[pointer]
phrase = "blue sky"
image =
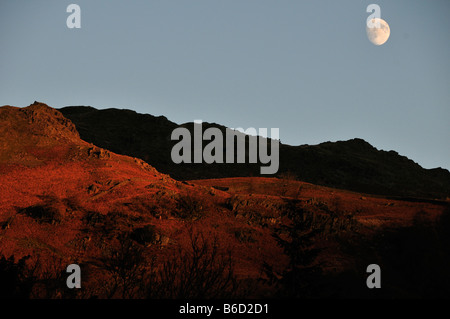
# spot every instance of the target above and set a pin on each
(305, 67)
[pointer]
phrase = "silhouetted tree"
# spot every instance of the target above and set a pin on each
(300, 277)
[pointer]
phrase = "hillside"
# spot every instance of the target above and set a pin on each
(64, 200)
(138, 233)
(353, 165)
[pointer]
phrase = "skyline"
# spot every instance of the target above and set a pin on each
(306, 68)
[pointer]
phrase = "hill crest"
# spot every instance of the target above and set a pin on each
(352, 165)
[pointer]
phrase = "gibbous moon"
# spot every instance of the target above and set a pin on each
(378, 36)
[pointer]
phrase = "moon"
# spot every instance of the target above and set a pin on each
(378, 36)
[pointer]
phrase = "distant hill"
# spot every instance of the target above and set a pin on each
(353, 165)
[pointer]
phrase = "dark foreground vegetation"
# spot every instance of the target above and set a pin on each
(414, 260)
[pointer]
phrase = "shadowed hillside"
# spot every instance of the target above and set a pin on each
(353, 165)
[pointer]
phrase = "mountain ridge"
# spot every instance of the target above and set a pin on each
(353, 165)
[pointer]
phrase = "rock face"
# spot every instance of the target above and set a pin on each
(99, 153)
(35, 134)
(51, 121)
(37, 119)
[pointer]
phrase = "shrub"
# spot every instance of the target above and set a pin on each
(198, 273)
(7, 223)
(50, 210)
(16, 278)
(145, 235)
(189, 208)
(93, 218)
(125, 262)
(43, 213)
(244, 235)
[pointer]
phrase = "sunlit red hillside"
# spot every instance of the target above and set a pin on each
(63, 201)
